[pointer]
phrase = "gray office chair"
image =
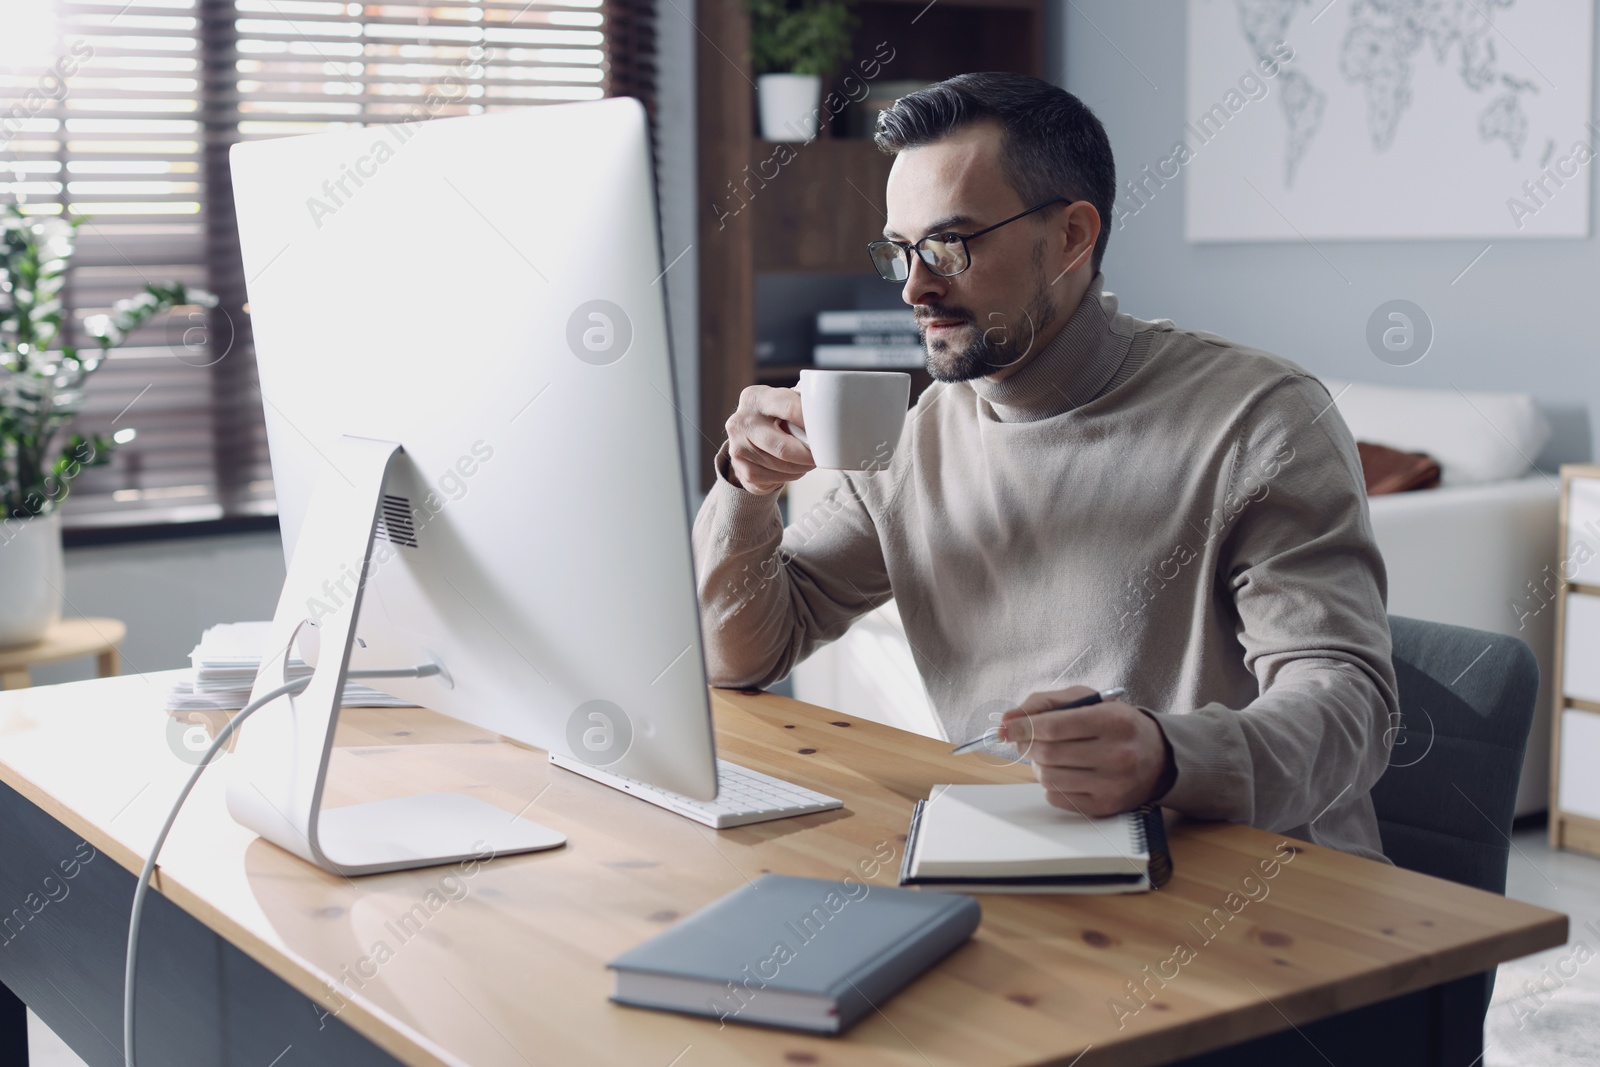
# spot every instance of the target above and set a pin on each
(1446, 802)
(1466, 700)
(1444, 808)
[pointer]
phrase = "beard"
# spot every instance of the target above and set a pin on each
(977, 352)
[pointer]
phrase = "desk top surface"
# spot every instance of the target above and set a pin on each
(505, 964)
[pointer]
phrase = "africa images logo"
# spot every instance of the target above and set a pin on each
(599, 332)
(599, 733)
(1399, 332)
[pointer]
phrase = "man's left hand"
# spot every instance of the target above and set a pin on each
(1096, 760)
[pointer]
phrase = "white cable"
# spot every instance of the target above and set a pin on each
(172, 817)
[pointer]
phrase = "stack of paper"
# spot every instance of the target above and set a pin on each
(868, 339)
(225, 663)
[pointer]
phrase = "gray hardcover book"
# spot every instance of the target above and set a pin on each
(801, 953)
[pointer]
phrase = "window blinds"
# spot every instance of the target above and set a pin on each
(123, 114)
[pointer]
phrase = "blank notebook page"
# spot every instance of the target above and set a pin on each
(1001, 831)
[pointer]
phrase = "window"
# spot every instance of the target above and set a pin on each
(123, 115)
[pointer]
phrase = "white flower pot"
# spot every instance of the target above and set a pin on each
(791, 105)
(30, 578)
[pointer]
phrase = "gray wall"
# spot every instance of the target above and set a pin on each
(168, 592)
(1518, 321)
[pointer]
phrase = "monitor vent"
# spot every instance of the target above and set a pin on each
(394, 522)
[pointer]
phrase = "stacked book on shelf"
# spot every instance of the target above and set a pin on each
(225, 663)
(868, 340)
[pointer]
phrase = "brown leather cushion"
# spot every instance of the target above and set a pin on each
(1389, 470)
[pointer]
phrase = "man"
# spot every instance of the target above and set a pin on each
(1081, 500)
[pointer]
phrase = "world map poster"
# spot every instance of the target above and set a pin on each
(1385, 119)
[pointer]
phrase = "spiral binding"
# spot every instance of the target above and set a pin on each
(1150, 834)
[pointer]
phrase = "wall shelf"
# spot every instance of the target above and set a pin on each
(788, 374)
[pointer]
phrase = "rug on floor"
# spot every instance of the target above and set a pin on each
(1546, 1010)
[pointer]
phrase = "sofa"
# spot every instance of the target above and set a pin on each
(1478, 551)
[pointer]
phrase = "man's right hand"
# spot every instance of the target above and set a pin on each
(762, 455)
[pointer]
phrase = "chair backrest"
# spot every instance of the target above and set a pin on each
(1446, 802)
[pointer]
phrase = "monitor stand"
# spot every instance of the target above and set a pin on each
(280, 764)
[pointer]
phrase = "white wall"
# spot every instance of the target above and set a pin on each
(1517, 321)
(168, 592)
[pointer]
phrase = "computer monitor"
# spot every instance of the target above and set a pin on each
(462, 345)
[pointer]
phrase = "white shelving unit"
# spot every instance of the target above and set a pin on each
(1575, 753)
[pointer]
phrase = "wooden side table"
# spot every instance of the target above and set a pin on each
(67, 639)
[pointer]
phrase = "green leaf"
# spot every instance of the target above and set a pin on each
(42, 388)
(800, 36)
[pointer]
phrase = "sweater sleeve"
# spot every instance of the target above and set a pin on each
(770, 596)
(1308, 586)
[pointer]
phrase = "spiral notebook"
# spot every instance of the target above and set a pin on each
(1010, 839)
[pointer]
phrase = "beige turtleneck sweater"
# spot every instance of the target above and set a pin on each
(1138, 505)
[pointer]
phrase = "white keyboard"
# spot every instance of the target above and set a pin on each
(743, 796)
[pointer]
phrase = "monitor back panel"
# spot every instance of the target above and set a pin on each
(485, 291)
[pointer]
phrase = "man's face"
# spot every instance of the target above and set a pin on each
(990, 316)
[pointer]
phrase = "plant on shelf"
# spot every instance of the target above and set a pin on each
(794, 44)
(41, 390)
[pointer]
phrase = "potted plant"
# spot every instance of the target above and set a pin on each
(794, 44)
(41, 390)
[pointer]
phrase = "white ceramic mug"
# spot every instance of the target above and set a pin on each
(853, 417)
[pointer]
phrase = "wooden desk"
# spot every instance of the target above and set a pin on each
(507, 968)
(67, 639)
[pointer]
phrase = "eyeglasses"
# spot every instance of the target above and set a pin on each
(945, 254)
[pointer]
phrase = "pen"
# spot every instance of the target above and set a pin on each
(992, 734)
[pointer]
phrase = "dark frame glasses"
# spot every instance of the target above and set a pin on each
(944, 253)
